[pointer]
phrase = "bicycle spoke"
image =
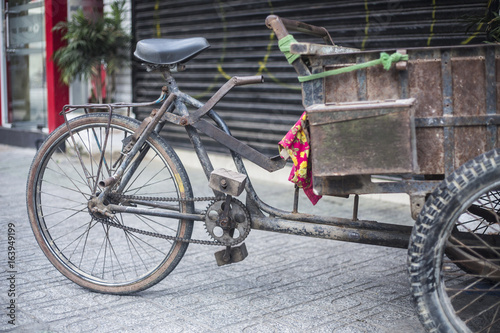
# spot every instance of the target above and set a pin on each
(77, 238)
(63, 209)
(132, 256)
(148, 185)
(468, 288)
(85, 244)
(113, 253)
(48, 194)
(100, 250)
(144, 218)
(493, 321)
(138, 175)
(101, 151)
(73, 182)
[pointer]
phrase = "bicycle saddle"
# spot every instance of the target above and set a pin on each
(164, 51)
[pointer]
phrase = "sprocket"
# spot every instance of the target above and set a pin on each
(231, 229)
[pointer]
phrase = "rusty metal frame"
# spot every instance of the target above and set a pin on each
(290, 222)
(266, 217)
(352, 230)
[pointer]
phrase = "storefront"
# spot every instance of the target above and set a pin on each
(31, 95)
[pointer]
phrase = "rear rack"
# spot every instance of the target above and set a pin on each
(111, 106)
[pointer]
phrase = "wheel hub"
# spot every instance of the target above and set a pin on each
(98, 209)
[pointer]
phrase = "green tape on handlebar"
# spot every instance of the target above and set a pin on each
(284, 45)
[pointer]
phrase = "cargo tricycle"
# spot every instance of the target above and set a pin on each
(112, 208)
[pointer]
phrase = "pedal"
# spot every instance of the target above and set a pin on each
(227, 181)
(236, 254)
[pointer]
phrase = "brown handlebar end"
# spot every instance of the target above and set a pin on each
(269, 19)
(275, 23)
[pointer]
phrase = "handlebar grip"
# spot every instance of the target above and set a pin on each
(242, 80)
(275, 23)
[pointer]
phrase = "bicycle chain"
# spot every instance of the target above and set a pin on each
(165, 199)
(158, 235)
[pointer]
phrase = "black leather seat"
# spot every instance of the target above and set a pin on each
(164, 51)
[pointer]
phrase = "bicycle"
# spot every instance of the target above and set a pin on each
(112, 208)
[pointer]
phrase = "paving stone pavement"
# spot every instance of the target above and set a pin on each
(287, 284)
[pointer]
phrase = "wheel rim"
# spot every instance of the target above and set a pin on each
(89, 250)
(470, 271)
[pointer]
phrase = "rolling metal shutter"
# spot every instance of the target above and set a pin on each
(242, 45)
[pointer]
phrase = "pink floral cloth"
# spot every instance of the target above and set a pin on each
(295, 145)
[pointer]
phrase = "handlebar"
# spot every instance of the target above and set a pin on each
(242, 80)
(280, 26)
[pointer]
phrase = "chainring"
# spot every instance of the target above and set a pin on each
(232, 229)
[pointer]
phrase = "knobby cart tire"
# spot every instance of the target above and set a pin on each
(95, 255)
(454, 251)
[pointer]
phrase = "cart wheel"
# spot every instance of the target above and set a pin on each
(454, 252)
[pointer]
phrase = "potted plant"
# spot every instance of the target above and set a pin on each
(96, 48)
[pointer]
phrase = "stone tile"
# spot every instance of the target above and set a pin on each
(287, 283)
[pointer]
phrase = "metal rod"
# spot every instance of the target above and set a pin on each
(296, 200)
(131, 170)
(458, 121)
(233, 144)
(491, 95)
(102, 149)
(398, 238)
(356, 207)
(84, 168)
(155, 212)
(199, 149)
(448, 108)
(72, 107)
(252, 196)
(230, 84)
(162, 205)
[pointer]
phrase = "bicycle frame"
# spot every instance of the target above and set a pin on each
(290, 222)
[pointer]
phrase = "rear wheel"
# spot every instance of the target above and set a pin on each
(454, 253)
(62, 182)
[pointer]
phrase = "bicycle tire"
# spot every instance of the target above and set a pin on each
(453, 256)
(94, 255)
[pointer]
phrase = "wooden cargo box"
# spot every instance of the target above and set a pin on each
(362, 138)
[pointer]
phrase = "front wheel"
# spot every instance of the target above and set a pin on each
(61, 183)
(454, 252)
